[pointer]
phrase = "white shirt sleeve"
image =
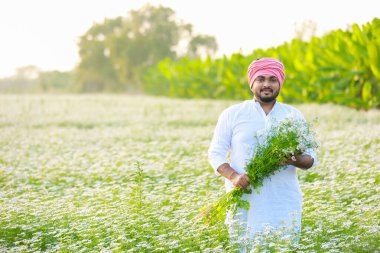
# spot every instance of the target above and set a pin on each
(221, 141)
(310, 151)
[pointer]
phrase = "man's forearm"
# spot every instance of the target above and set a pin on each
(237, 180)
(226, 171)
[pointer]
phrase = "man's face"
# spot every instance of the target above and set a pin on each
(266, 88)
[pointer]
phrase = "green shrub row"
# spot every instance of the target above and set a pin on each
(341, 67)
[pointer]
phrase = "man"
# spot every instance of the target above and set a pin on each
(279, 202)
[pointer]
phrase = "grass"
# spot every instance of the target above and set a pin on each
(115, 173)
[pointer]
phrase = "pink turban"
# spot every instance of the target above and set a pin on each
(266, 66)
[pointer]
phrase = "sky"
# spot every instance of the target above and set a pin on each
(45, 33)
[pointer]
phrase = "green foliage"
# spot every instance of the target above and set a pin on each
(341, 67)
(96, 71)
(289, 137)
(24, 81)
(138, 188)
(204, 43)
(56, 81)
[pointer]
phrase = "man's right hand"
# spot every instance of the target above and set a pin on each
(240, 180)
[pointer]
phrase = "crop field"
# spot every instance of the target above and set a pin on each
(117, 173)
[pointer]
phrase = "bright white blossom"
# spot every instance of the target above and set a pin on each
(69, 181)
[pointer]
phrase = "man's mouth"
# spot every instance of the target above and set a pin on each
(266, 90)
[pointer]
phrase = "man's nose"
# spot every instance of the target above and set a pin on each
(266, 83)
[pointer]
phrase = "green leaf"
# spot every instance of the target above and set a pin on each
(366, 92)
(373, 54)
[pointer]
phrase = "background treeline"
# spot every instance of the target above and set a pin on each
(341, 67)
(151, 51)
(115, 54)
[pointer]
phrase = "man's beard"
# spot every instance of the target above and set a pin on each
(269, 99)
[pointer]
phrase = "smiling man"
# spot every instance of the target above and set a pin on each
(278, 205)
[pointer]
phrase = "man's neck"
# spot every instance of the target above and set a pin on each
(267, 106)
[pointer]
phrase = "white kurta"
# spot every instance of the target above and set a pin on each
(279, 203)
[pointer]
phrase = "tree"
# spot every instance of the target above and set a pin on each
(148, 35)
(55, 81)
(114, 54)
(96, 70)
(27, 72)
(24, 80)
(202, 45)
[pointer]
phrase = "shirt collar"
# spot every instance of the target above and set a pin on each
(258, 106)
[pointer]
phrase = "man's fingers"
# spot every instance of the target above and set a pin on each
(244, 182)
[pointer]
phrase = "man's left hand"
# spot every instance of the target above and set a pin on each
(302, 161)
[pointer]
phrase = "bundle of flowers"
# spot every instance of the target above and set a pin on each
(289, 137)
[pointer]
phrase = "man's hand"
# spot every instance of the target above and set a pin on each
(240, 180)
(301, 161)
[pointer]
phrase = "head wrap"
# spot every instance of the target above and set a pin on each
(266, 66)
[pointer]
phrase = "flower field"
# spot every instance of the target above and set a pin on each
(117, 173)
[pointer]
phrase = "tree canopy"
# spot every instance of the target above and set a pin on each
(115, 53)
